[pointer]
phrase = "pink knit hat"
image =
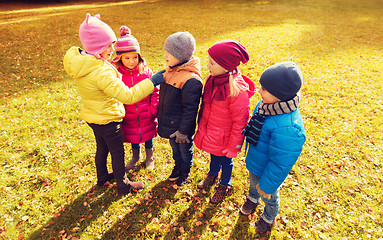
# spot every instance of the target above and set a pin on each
(126, 43)
(95, 35)
(229, 54)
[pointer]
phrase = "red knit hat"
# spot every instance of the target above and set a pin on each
(126, 43)
(229, 54)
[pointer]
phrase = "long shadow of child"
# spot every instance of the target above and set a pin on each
(142, 213)
(74, 218)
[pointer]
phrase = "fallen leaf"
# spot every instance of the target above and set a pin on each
(327, 227)
(21, 236)
(303, 225)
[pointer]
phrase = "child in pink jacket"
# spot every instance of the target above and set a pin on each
(140, 120)
(224, 113)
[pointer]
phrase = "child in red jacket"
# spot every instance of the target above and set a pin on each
(140, 121)
(224, 113)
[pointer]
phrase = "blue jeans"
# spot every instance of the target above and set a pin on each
(148, 144)
(109, 139)
(182, 153)
(218, 162)
(271, 209)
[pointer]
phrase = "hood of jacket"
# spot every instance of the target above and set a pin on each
(247, 85)
(194, 66)
(78, 64)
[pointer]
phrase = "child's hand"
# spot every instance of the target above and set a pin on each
(262, 193)
(180, 138)
(158, 78)
(229, 153)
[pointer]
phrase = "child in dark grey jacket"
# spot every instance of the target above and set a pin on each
(179, 100)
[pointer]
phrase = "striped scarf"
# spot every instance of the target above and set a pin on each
(253, 128)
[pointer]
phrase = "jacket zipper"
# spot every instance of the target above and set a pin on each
(138, 117)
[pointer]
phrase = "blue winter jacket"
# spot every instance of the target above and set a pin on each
(279, 146)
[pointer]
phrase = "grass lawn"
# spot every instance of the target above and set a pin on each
(335, 190)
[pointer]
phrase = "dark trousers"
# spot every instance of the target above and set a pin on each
(226, 164)
(109, 139)
(182, 153)
(148, 144)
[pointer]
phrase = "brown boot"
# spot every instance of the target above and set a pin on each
(126, 186)
(149, 161)
(137, 185)
(136, 156)
(208, 181)
(220, 194)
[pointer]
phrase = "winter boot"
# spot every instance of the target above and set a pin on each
(175, 173)
(220, 194)
(208, 181)
(183, 177)
(136, 156)
(126, 186)
(248, 207)
(109, 177)
(149, 161)
(262, 226)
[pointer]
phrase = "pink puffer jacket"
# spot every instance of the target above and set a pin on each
(140, 121)
(221, 122)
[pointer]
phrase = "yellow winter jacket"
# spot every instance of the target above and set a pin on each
(101, 88)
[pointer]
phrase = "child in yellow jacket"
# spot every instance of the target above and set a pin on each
(103, 94)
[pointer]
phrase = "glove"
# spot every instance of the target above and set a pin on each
(262, 193)
(158, 78)
(229, 153)
(180, 138)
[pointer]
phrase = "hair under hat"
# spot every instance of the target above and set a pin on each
(229, 54)
(95, 35)
(126, 43)
(181, 45)
(283, 80)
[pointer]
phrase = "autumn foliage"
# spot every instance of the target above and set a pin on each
(47, 187)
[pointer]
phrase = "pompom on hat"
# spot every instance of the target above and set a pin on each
(95, 35)
(126, 43)
(229, 54)
(283, 80)
(181, 45)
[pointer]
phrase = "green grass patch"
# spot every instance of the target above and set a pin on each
(47, 187)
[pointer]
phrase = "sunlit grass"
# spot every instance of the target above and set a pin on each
(36, 14)
(46, 163)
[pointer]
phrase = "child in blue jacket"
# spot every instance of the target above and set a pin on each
(275, 136)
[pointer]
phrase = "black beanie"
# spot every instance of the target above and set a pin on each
(283, 80)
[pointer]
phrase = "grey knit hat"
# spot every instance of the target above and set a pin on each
(181, 45)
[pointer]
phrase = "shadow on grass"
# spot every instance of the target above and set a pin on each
(245, 227)
(75, 217)
(241, 227)
(194, 220)
(142, 213)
